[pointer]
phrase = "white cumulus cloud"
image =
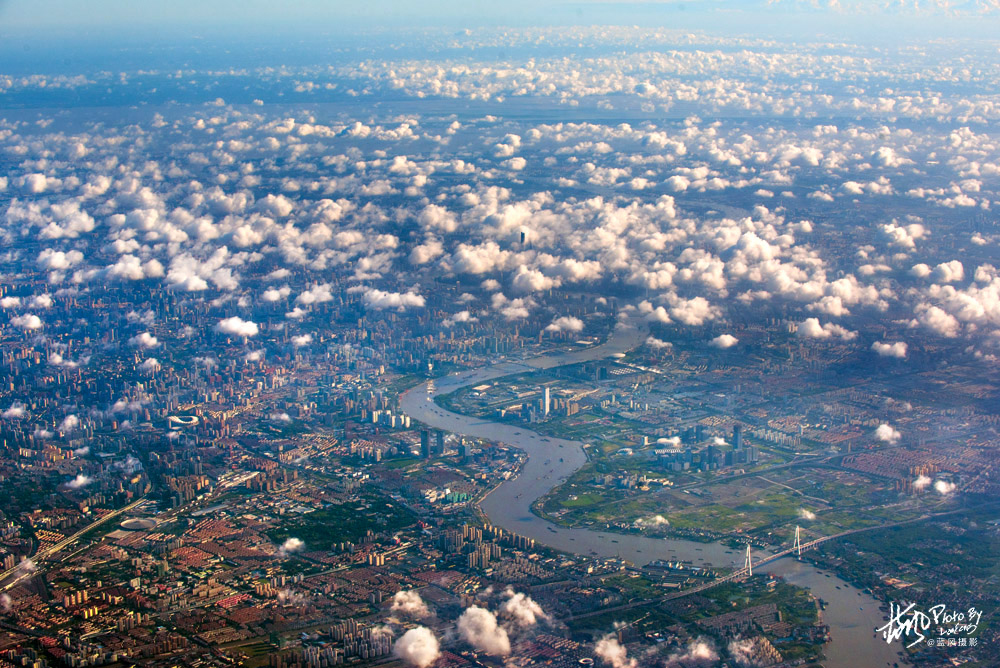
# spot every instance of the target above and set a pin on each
(237, 326)
(291, 545)
(381, 299)
(610, 651)
(28, 321)
(887, 434)
(478, 627)
(897, 349)
(810, 328)
(724, 341)
(418, 647)
(409, 602)
(144, 340)
(79, 481)
(565, 324)
(943, 487)
(521, 609)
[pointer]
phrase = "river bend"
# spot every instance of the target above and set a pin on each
(851, 614)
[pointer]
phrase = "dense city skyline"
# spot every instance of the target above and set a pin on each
(472, 343)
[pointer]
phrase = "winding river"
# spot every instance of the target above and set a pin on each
(851, 614)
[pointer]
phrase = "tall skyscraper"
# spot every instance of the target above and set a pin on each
(546, 402)
(425, 444)
(738, 437)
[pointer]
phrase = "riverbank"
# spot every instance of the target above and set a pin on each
(851, 614)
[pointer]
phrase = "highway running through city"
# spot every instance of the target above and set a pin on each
(22, 571)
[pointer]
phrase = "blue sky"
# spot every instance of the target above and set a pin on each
(138, 18)
(108, 13)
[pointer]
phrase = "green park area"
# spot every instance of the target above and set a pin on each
(347, 522)
(822, 501)
(932, 560)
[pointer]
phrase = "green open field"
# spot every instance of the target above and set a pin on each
(347, 522)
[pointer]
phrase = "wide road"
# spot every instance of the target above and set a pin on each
(851, 614)
(21, 572)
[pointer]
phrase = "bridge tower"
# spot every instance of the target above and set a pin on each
(798, 541)
(748, 565)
